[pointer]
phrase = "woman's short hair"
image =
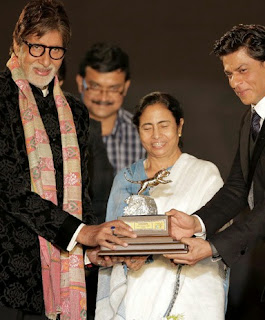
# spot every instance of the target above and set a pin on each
(152, 98)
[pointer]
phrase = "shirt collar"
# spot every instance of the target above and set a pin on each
(45, 92)
(259, 108)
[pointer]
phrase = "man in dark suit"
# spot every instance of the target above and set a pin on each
(45, 208)
(242, 52)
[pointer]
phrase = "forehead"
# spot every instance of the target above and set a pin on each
(236, 59)
(50, 38)
(105, 78)
(156, 112)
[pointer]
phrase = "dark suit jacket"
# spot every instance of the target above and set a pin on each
(100, 172)
(242, 245)
(242, 236)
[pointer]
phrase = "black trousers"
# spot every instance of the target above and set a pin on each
(13, 314)
(91, 289)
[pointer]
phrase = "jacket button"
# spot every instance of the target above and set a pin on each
(242, 252)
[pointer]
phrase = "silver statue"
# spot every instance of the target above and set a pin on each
(144, 205)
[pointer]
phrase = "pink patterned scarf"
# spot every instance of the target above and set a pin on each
(62, 272)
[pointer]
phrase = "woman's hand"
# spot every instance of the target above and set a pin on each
(102, 261)
(135, 262)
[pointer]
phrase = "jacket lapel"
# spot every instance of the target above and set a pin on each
(244, 144)
(257, 152)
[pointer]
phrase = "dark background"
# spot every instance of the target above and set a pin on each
(169, 44)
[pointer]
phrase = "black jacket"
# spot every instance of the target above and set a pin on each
(101, 172)
(242, 245)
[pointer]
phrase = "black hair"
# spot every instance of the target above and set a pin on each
(251, 37)
(104, 57)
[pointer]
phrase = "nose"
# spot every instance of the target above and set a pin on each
(45, 59)
(103, 94)
(235, 80)
(156, 132)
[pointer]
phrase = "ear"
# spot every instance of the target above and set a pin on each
(180, 126)
(126, 87)
(79, 82)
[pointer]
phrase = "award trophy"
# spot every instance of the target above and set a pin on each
(152, 229)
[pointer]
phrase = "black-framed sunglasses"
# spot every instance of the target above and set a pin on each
(37, 50)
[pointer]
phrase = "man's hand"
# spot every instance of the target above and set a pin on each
(198, 249)
(103, 235)
(182, 225)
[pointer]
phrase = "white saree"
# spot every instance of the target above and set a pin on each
(147, 294)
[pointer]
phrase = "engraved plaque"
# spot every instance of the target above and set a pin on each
(148, 225)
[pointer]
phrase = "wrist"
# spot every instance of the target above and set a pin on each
(215, 254)
(80, 235)
(197, 225)
(84, 236)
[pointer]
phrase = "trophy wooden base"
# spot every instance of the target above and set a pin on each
(147, 245)
(152, 237)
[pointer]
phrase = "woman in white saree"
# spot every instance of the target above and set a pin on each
(154, 289)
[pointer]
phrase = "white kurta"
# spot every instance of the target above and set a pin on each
(147, 293)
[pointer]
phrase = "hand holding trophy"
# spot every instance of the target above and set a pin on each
(152, 229)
